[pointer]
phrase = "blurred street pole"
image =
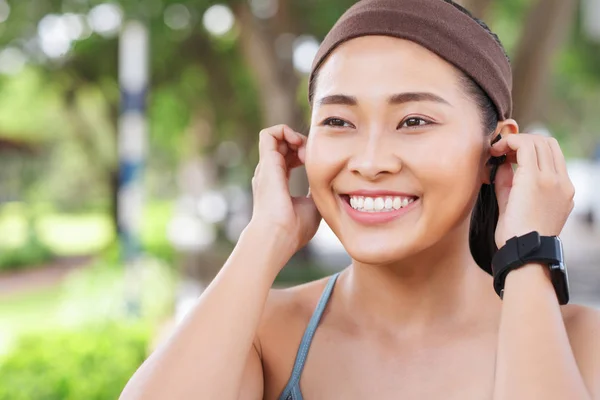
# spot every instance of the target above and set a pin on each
(132, 131)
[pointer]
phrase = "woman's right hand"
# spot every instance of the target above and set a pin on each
(281, 149)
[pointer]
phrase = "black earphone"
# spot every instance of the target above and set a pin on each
(495, 162)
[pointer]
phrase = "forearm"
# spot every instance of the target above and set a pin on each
(206, 356)
(534, 359)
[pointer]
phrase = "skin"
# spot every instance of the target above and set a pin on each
(413, 316)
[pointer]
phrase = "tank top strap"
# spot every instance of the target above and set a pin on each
(292, 389)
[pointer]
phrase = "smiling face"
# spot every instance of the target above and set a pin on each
(395, 150)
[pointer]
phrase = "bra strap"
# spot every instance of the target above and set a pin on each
(309, 333)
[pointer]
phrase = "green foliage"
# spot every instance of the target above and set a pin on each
(21, 246)
(90, 363)
(32, 254)
(154, 231)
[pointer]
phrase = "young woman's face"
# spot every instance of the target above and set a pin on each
(392, 125)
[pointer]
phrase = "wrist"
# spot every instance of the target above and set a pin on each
(531, 275)
(271, 240)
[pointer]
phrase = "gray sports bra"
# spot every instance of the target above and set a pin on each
(292, 389)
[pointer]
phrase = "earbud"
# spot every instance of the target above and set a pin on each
(495, 162)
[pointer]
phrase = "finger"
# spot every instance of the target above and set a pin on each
(521, 145)
(271, 137)
(544, 155)
(560, 164)
(503, 185)
(292, 160)
(283, 148)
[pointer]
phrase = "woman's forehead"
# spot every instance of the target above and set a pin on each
(381, 63)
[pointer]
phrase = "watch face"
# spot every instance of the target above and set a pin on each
(559, 276)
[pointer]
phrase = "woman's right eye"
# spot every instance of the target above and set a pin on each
(336, 122)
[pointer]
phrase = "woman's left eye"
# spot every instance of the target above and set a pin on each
(414, 122)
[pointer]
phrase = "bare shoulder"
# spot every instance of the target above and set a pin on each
(581, 320)
(583, 328)
(287, 308)
(285, 317)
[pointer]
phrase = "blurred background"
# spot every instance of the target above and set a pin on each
(128, 138)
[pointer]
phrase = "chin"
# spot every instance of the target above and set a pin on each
(378, 252)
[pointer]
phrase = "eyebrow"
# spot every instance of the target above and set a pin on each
(400, 98)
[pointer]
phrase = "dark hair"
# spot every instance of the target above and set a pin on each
(484, 218)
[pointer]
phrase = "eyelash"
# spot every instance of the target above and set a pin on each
(328, 121)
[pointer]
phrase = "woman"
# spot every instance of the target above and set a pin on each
(407, 98)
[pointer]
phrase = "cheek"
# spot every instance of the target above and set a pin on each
(324, 161)
(449, 175)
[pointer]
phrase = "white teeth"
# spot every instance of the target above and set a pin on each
(379, 204)
(388, 203)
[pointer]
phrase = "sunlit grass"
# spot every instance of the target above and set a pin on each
(92, 294)
(78, 234)
(13, 230)
(75, 234)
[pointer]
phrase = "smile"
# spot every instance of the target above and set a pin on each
(376, 208)
(379, 204)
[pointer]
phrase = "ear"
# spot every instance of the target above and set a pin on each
(504, 128)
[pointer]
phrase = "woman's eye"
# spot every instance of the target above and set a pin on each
(414, 122)
(336, 122)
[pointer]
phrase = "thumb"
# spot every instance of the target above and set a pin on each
(503, 184)
(306, 208)
(308, 214)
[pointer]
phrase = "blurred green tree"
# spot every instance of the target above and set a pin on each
(229, 87)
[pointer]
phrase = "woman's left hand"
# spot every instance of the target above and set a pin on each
(538, 196)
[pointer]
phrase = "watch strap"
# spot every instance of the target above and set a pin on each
(521, 250)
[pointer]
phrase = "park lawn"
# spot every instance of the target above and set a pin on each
(92, 294)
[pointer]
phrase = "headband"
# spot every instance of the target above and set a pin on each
(439, 27)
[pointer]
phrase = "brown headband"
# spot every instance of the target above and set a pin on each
(437, 26)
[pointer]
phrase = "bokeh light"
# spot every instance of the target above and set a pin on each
(218, 20)
(305, 50)
(12, 61)
(4, 11)
(264, 9)
(212, 207)
(106, 19)
(54, 36)
(177, 17)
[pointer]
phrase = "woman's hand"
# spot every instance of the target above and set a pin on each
(538, 196)
(281, 149)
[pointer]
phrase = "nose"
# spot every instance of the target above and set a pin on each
(375, 158)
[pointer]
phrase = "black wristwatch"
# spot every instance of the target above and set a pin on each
(532, 247)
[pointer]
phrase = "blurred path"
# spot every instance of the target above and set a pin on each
(40, 277)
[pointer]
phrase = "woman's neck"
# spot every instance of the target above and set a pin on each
(439, 288)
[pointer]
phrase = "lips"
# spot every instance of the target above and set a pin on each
(375, 207)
